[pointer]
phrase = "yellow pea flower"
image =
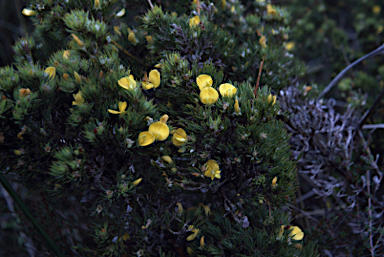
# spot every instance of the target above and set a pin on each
(17, 152)
(132, 37)
(128, 83)
(237, 107)
(121, 13)
(153, 81)
(137, 181)
(126, 236)
(281, 232)
(274, 180)
(204, 81)
(376, 9)
(146, 138)
(202, 241)
(122, 107)
(66, 54)
(79, 100)
(149, 39)
(160, 129)
(51, 71)
(97, 4)
(194, 21)
(77, 77)
(209, 95)
(28, 12)
(296, 233)
(290, 45)
(212, 169)
(227, 89)
(117, 30)
(179, 138)
(263, 41)
(24, 92)
(270, 98)
(193, 236)
(179, 207)
(207, 210)
(270, 10)
(78, 41)
(167, 158)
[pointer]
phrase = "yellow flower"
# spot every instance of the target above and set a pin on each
(281, 232)
(121, 13)
(137, 181)
(125, 236)
(122, 107)
(179, 138)
(97, 4)
(153, 80)
(159, 66)
(274, 180)
(180, 207)
(263, 42)
(160, 129)
(227, 90)
(296, 233)
(51, 71)
(132, 37)
(149, 39)
(77, 77)
(146, 138)
(128, 83)
(209, 95)
(24, 92)
(79, 100)
(376, 9)
(78, 41)
(270, 10)
(207, 210)
(66, 54)
(290, 45)
(28, 12)
(194, 21)
(204, 81)
(17, 152)
(212, 169)
(202, 241)
(270, 98)
(237, 107)
(195, 232)
(167, 158)
(117, 30)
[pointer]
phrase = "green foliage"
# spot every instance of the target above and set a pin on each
(73, 130)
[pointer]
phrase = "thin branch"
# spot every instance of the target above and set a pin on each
(372, 250)
(373, 126)
(125, 51)
(258, 76)
(378, 50)
(198, 7)
(150, 4)
(370, 111)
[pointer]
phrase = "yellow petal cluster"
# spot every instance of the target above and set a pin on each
(194, 21)
(296, 233)
(137, 181)
(270, 10)
(180, 208)
(149, 39)
(121, 13)
(274, 180)
(167, 158)
(204, 81)
(263, 42)
(24, 92)
(28, 12)
(237, 107)
(97, 4)
(122, 107)
(66, 54)
(158, 131)
(77, 77)
(132, 37)
(227, 89)
(270, 98)
(376, 9)
(79, 100)
(51, 71)
(153, 80)
(212, 169)
(209, 95)
(128, 83)
(179, 137)
(193, 236)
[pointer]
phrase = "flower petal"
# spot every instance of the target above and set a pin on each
(160, 130)
(154, 78)
(204, 81)
(209, 95)
(146, 138)
(227, 89)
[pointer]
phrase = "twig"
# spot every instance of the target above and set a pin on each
(150, 4)
(372, 250)
(258, 76)
(373, 107)
(198, 7)
(378, 50)
(304, 213)
(125, 51)
(373, 126)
